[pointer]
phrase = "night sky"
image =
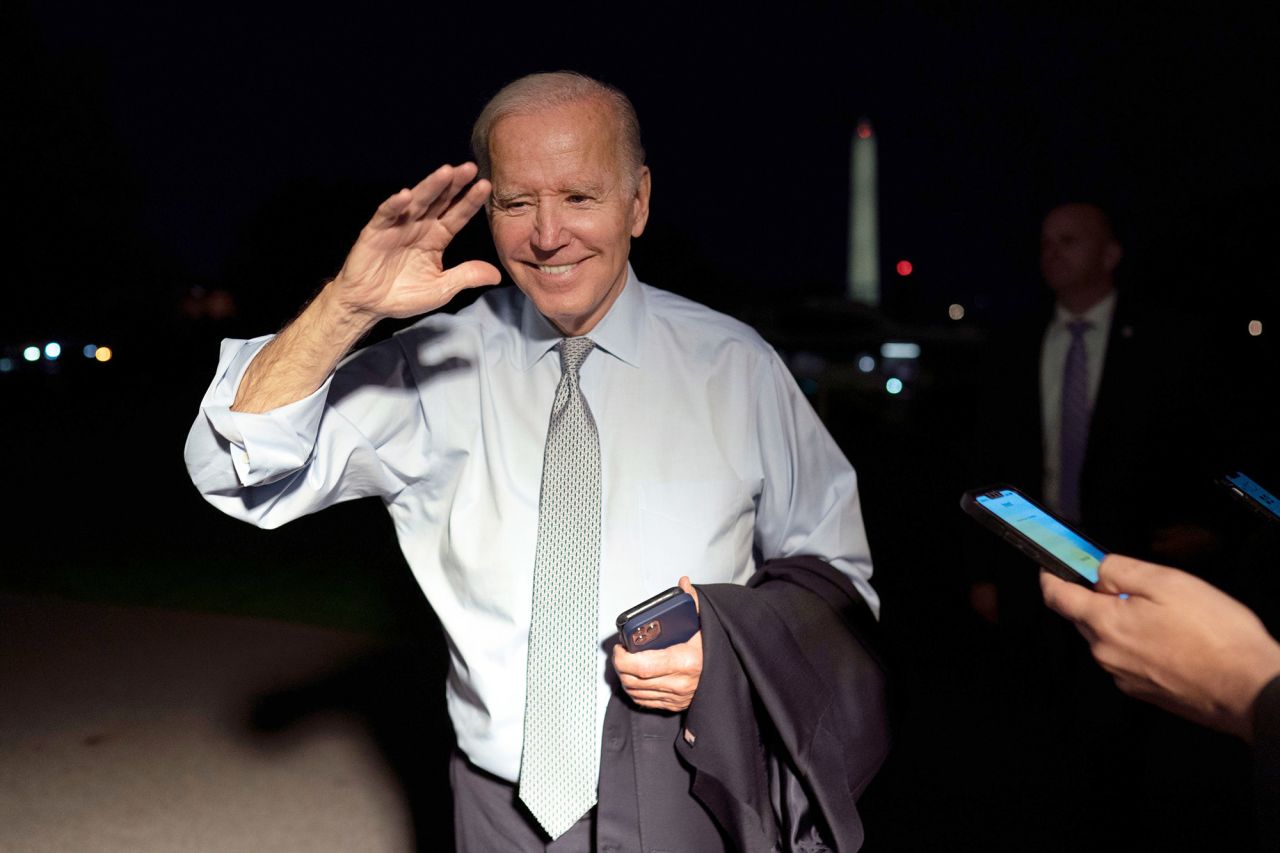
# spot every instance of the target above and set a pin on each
(222, 146)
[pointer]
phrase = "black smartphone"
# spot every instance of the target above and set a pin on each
(1249, 492)
(1036, 532)
(668, 618)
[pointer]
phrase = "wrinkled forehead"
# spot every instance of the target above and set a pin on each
(577, 139)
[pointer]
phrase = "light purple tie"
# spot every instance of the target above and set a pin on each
(1075, 421)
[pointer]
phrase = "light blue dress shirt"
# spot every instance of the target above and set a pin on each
(712, 461)
(1053, 359)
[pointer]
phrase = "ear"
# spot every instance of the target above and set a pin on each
(640, 202)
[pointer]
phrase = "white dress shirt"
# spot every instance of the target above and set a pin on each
(712, 461)
(1053, 360)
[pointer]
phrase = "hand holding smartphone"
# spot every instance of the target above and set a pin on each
(1036, 532)
(670, 617)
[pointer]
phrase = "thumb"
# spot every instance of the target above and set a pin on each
(686, 586)
(1068, 599)
(472, 274)
(1121, 574)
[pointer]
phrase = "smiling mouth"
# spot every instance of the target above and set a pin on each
(557, 269)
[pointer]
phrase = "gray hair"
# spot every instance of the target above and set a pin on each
(537, 92)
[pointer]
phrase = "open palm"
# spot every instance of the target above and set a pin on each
(396, 267)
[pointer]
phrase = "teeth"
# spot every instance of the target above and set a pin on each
(557, 270)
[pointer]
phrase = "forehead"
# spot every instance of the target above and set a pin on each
(1075, 219)
(564, 145)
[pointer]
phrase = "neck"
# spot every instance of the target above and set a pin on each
(1081, 301)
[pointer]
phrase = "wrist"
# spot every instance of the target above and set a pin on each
(347, 321)
(1266, 678)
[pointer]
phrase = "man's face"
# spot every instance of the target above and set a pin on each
(564, 210)
(1077, 252)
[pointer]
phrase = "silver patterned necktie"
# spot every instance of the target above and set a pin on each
(559, 766)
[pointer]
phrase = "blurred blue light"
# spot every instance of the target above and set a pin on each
(894, 385)
(90, 350)
(866, 364)
(31, 353)
(899, 349)
(6, 364)
(52, 350)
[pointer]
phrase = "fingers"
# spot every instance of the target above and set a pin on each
(462, 209)
(440, 199)
(1069, 599)
(671, 692)
(661, 678)
(434, 196)
(392, 210)
(683, 658)
(458, 177)
(687, 586)
(1119, 573)
(430, 189)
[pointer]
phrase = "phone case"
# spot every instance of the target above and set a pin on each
(1265, 504)
(969, 503)
(668, 618)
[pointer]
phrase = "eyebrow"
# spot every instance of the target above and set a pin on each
(579, 189)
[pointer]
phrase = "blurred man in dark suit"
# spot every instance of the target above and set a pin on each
(1106, 411)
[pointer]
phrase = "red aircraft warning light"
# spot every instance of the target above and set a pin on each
(904, 268)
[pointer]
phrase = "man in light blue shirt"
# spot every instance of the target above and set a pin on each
(711, 459)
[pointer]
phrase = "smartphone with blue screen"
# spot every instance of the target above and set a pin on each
(1035, 531)
(1252, 494)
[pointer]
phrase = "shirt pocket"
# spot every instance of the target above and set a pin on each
(700, 528)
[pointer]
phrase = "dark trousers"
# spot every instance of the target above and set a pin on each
(644, 804)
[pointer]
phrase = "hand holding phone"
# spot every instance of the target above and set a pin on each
(670, 617)
(1036, 532)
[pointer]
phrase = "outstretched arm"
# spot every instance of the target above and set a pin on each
(1172, 640)
(395, 269)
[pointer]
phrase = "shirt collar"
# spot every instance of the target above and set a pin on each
(1099, 316)
(618, 332)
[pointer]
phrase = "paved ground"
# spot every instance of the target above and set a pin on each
(137, 729)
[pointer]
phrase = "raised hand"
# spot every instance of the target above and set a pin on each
(396, 267)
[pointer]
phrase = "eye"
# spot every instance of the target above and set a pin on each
(578, 198)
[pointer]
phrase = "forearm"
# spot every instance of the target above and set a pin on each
(303, 355)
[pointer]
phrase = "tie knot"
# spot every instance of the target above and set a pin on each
(1078, 327)
(574, 351)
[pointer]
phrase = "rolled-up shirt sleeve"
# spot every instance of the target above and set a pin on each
(265, 468)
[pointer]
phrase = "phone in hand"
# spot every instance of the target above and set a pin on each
(1035, 531)
(670, 617)
(1250, 493)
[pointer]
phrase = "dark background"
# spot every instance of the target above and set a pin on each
(156, 157)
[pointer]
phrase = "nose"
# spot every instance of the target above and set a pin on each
(547, 228)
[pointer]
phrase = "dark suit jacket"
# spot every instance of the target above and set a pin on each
(790, 717)
(1154, 437)
(1266, 757)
